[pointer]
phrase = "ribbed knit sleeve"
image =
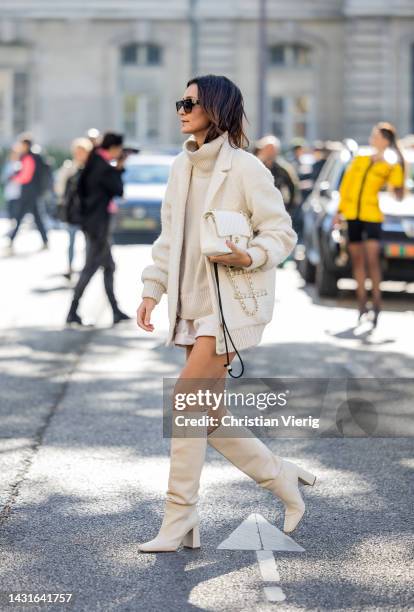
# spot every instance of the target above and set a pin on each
(155, 276)
(274, 235)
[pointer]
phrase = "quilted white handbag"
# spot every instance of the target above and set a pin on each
(217, 226)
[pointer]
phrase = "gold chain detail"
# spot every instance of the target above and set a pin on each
(242, 296)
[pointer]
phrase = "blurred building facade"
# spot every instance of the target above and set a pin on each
(334, 67)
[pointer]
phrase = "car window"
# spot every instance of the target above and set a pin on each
(337, 174)
(146, 173)
(328, 176)
(326, 170)
(341, 176)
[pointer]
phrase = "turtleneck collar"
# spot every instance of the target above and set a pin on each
(203, 158)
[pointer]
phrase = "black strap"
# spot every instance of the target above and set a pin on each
(226, 331)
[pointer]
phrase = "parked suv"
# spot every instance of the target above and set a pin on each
(323, 257)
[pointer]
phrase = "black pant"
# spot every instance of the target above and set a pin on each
(28, 204)
(360, 230)
(98, 253)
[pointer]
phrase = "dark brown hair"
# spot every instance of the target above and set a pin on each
(389, 132)
(223, 102)
(111, 139)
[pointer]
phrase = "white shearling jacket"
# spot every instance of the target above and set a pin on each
(239, 182)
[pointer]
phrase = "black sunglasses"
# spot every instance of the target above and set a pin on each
(187, 104)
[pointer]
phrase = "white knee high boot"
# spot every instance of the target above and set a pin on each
(256, 460)
(181, 524)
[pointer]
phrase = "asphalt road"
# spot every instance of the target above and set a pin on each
(83, 465)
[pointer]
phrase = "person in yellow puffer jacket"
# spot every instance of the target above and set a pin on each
(359, 206)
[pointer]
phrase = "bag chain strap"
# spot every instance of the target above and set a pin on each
(226, 331)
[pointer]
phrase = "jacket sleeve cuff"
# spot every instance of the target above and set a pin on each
(153, 289)
(258, 257)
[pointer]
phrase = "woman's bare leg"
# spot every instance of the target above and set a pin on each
(374, 270)
(357, 252)
(205, 365)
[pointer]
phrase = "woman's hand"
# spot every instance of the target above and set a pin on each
(399, 193)
(144, 314)
(338, 218)
(237, 258)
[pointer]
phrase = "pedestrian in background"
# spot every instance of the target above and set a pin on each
(320, 154)
(215, 172)
(66, 183)
(99, 183)
(30, 179)
(11, 189)
(359, 206)
(94, 136)
(267, 149)
(301, 162)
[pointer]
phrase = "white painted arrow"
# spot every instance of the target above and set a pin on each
(256, 533)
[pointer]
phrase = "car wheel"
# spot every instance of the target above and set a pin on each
(326, 281)
(307, 270)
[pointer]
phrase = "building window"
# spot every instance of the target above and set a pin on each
(20, 99)
(277, 113)
(292, 117)
(141, 117)
(6, 104)
(296, 56)
(13, 103)
(141, 55)
(130, 115)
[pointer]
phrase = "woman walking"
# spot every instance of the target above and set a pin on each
(214, 172)
(359, 205)
(99, 183)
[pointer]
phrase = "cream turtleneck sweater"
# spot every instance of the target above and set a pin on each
(195, 299)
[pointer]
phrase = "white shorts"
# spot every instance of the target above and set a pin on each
(188, 330)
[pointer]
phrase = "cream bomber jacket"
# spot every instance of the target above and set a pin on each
(239, 182)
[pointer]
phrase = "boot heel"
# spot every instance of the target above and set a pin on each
(192, 538)
(306, 477)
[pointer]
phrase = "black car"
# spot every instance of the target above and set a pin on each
(323, 258)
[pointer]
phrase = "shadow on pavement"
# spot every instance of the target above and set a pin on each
(393, 301)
